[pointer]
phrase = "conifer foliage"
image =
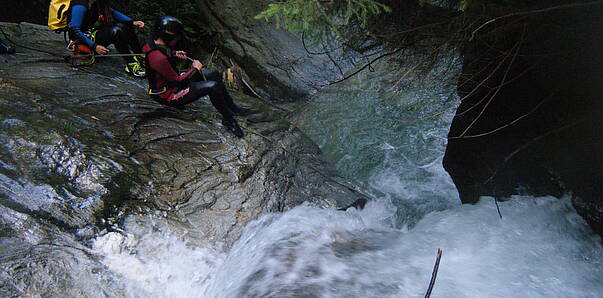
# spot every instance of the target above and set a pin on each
(321, 18)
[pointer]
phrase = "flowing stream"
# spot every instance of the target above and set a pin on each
(388, 139)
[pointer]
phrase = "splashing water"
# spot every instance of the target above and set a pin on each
(309, 252)
(541, 248)
(159, 264)
(390, 143)
(389, 137)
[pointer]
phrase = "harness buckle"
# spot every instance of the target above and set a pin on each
(157, 91)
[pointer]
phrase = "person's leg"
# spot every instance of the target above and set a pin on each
(131, 39)
(197, 90)
(115, 34)
(206, 74)
(82, 54)
(211, 74)
(122, 36)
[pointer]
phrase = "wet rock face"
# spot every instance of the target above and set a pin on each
(38, 258)
(276, 61)
(534, 124)
(82, 149)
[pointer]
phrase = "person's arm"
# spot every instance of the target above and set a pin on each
(78, 13)
(160, 64)
(120, 17)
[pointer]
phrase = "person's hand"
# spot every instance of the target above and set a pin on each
(197, 64)
(181, 55)
(139, 24)
(101, 50)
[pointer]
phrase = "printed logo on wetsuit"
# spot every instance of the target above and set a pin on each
(179, 95)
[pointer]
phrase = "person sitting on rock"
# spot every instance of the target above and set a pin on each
(115, 28)
(169, 87)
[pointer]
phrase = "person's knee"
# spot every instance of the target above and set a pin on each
(212, 74)
(119, 30)
(204, 87)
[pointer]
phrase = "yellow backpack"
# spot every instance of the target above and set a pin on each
(57, 14)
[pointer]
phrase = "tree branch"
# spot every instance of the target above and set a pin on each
(519, 13)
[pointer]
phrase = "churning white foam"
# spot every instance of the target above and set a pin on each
(540, 248)
(159, 264)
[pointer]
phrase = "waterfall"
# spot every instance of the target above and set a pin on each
(387, 138)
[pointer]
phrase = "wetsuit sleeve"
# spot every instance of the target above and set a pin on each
(160, 64)
(78, 13)
(120, 17)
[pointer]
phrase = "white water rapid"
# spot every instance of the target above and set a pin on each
(540, 248)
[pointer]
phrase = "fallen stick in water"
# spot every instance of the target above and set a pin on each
(434, 274)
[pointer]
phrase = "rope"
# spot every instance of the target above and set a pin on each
(246, 84)
(62, 56)
(352, 189)
(259, 96)
(210, 58)
(26, 47)
(263, 99)
(103, 56)
(131, 55)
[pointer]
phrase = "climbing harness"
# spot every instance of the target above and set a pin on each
(157, 91)
(73, 57)
(82, 55)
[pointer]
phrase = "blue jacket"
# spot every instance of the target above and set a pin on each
(83, 19)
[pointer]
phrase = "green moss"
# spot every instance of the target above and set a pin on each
(68, 128)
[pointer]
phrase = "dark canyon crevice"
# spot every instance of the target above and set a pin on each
(530, 119)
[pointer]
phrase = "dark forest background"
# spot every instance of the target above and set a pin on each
(36, 11)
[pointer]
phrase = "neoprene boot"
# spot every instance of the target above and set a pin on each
(6, 49)
(136, 68)
(233, 126)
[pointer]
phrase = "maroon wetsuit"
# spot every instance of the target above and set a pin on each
(168, 87)
(164, 81)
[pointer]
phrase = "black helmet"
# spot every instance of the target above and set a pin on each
(168, 28)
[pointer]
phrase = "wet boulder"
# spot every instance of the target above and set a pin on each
(84, 151)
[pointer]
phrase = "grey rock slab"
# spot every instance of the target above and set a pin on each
(83, 150)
